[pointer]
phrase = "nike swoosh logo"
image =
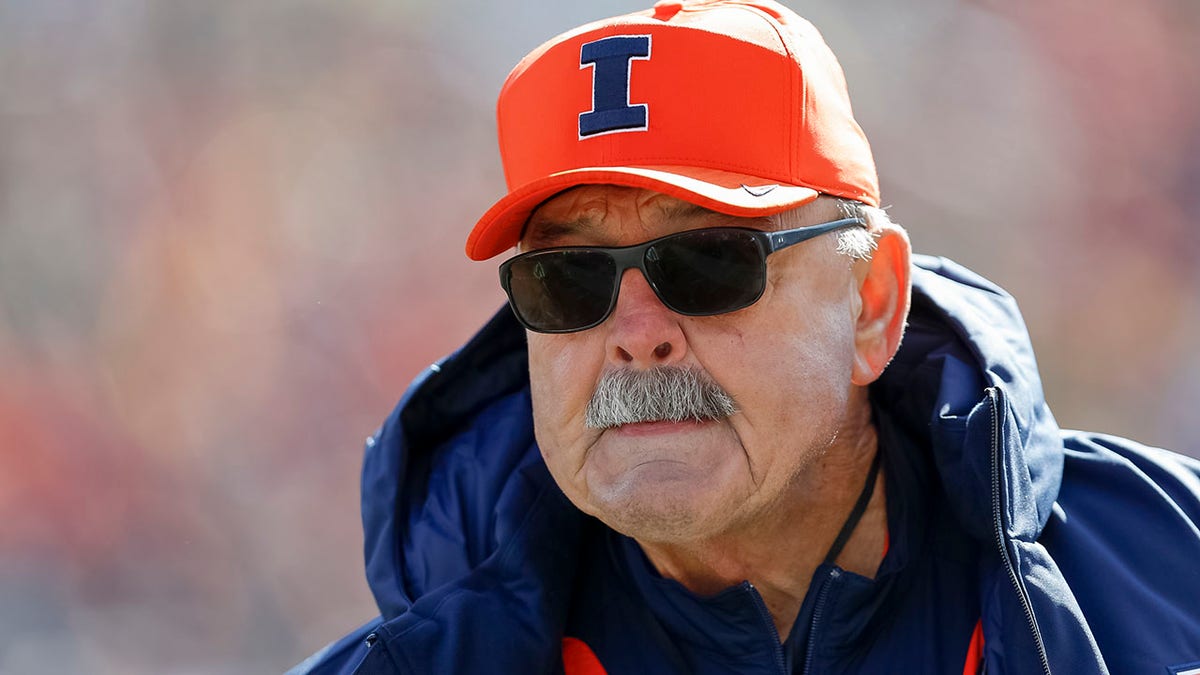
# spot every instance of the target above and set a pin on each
(758, 190)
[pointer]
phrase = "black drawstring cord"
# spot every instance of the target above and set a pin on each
(860, 507)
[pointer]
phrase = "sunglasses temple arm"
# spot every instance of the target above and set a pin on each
(786, 238)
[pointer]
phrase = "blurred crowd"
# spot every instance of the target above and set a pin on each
(231, 233)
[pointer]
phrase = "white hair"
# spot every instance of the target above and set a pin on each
(672, 393)
(857, 243)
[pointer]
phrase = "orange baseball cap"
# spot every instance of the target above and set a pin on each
(738, 106)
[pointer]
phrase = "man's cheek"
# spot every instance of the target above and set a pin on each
(550, 397)
(562, 380)
(551, 417)
(542, 383)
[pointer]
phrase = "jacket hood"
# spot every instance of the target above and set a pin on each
(455, 493)
(966, 338)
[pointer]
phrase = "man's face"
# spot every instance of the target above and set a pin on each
(786, 361)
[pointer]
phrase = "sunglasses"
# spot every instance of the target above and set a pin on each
(696, 273)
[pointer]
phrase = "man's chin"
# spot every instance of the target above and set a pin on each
(660, 502)
(665, 479)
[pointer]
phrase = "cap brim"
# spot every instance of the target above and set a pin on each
(722, 191)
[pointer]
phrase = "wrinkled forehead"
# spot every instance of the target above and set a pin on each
(607, 214)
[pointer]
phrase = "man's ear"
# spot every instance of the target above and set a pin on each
(885, 290)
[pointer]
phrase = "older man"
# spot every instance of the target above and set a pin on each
(697, 443)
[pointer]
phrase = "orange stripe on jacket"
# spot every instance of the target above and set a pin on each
(974, 651)
(578, 658)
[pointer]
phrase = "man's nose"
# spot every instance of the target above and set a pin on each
(643, 333)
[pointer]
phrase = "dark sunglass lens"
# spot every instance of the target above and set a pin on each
(562, 290)
(708, 271)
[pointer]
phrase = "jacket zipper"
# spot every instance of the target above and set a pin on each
(998, 522)
(816, 618)
(766, 617)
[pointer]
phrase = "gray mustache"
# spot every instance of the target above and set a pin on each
(667, 393)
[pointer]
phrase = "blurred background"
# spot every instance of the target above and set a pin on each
(231, 233)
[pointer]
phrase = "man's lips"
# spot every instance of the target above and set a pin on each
(658, 428)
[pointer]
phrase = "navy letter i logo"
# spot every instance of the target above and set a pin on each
(611, 61)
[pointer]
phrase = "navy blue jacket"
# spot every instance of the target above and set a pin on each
(1073, 552)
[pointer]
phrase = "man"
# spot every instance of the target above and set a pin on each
(729, 426)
